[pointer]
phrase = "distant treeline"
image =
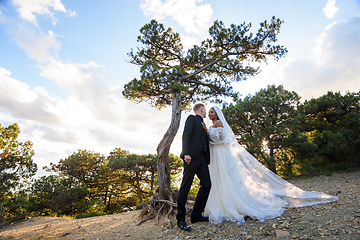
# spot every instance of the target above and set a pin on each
(87, 184)
(288, 136)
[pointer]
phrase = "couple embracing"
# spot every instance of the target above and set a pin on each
(233, 184)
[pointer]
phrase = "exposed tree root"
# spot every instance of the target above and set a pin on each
(167, 219)
(156, 206)
(8, 222)
(158, 213)
(144, 220)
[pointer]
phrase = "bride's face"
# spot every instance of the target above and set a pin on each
(212, 114)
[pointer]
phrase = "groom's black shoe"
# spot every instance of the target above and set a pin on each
(199, 219)
(183, 226)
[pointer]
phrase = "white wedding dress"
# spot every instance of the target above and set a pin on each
(241, 186)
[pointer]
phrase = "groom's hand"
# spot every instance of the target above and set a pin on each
(187, 159)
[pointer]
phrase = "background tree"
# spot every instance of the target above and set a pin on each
(14, 206)
(91, 170)
(172, 77)
(136, 166)
(89, 183)
(264, 122)
(297, 155)
(16, 166)
(332, 122)
(15, 159)
(140, 170)
(60, 195)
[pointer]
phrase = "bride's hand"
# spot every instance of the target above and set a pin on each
(204, 126)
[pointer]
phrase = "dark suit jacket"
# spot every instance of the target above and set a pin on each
(195, 141)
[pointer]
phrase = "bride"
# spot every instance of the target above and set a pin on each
(242, 186)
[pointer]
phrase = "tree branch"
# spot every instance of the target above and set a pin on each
(8, 222)
(165, 50)
(212, 86)
(206, 66)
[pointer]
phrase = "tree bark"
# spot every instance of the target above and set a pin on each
(163, 149)
(106, 203)
(271, 161)
(138, 187)
(109, 202)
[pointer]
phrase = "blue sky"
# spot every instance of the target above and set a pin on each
(63, 64)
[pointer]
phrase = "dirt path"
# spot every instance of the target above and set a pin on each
(338, 220)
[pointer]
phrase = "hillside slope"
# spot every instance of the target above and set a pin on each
(337, 220)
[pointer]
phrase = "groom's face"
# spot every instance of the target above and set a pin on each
(203, 112)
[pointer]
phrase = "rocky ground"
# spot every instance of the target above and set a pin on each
(337, 220)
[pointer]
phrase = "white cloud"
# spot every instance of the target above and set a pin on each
(38, 46)
(338, 68)
(189, 14)
(92, 98)
(71, 14)
(319, 51)
(28, 8)
(86, 82)
(188, 42)
(73, 76)
(331, 65)
(330, 9)
(22, 102)
(59, 134)
(12, 88)
(59, 127)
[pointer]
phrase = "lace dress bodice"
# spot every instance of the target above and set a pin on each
(216, 135)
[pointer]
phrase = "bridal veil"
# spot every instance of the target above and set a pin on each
(242, 186)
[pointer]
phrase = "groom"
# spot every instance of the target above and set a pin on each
(196, 156)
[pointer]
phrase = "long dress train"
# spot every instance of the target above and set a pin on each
(242, 186)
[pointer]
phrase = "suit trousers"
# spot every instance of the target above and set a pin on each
(200, 168)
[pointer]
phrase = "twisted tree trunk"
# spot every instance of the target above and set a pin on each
(163, 149)
(165, 199)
